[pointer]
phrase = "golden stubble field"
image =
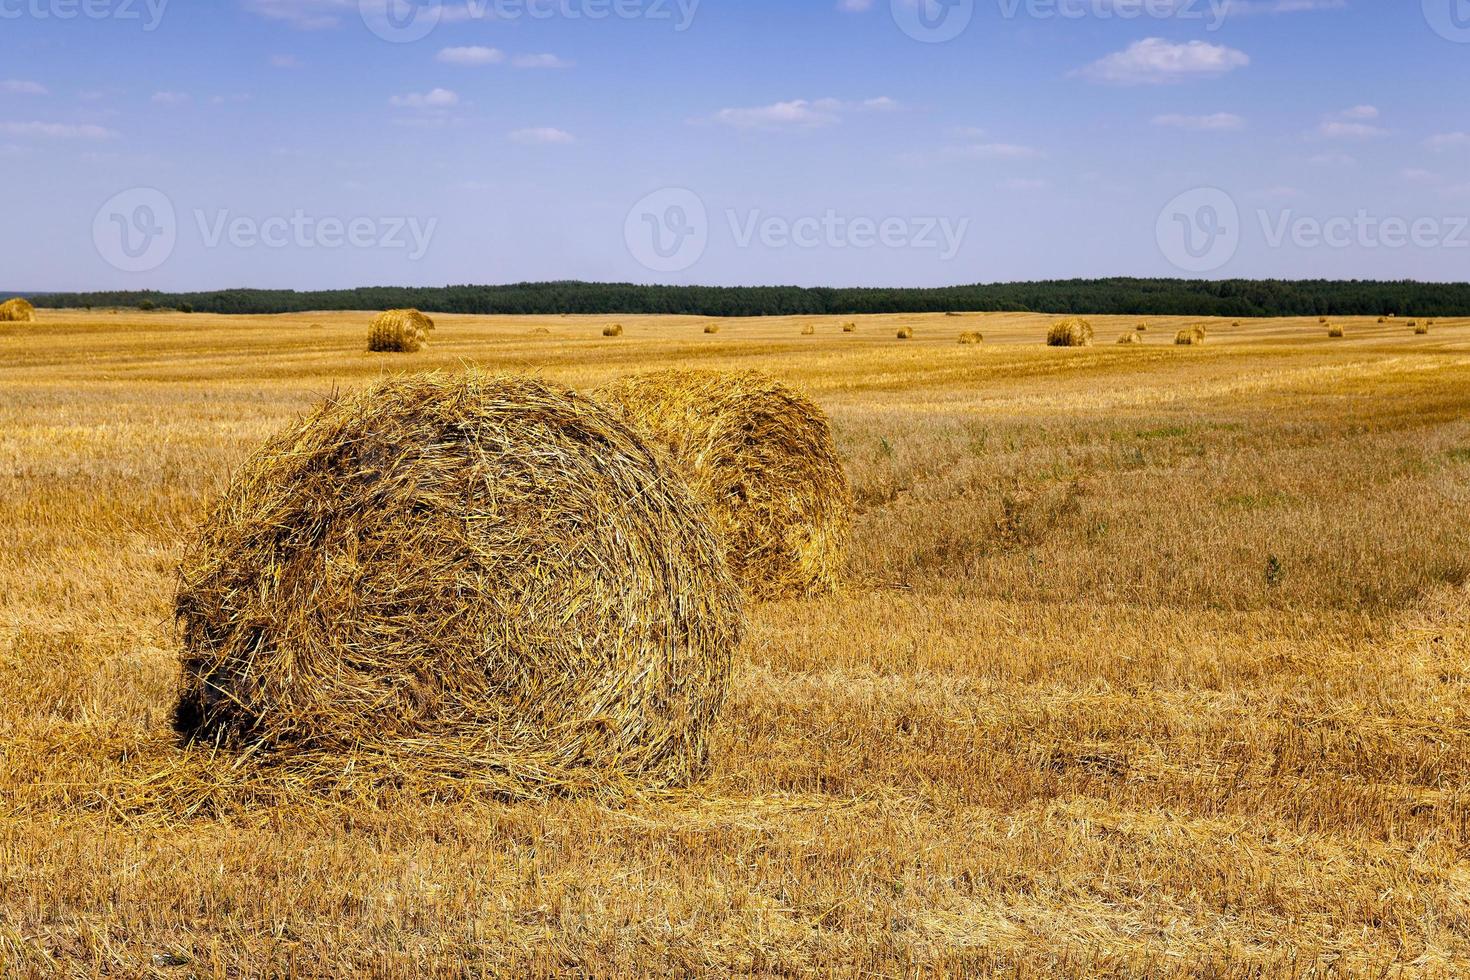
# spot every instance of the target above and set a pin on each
(1154, 661)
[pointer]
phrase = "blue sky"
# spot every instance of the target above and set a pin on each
(179, 144)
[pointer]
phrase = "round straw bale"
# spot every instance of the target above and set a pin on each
(490, 581)
(972, 337)
(1071, 332)
(399, 332)
(616, 330)
(808, 330)
(1131, 337)
(849, 328)
(905, 333)
(711, 328)
(761, 456)
(1421, 329)
(1335, 332)
(17, 310)
(1190, 337)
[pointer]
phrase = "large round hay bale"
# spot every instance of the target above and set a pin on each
(615, 330)
(17, 310)
(905, 333)
(1190, 337)
(1131, 337)
(761, 456)
(1071, 332)
(490, 580)
(972, 337)
(399, 332)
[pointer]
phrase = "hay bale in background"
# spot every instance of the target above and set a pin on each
(1071, 332)
(1383, 319)
(905, 333)
(1131, 337)
(1190, 337)
(849, 328)
(399, 332)
(762, 458)
(1141, 328)
(972, 337)
(490, 581)
(1335, 332)
(541, 332)
(17, 310)
(616, 330)
(711, 328)
(808, 330)
(1422, 329)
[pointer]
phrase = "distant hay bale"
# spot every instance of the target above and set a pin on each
(762, 458)
(972, 337)
(1335, 332)
(808, 330)
(1383, 319)
(17, 310)
(905, 333)
(399, 332)
(1141, 328)
(615, 330)
(1322, 321)
(849, 328)
(1131, 337)
(1190, 337)
(541, 332)
(492, 582)
(1071, 332)
(712, 328)
(1235, 323)
(1429, 322)
(1421, 329)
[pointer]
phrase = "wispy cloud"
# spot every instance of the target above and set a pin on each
(16, 86)
(539, 61)
(306, 15)
(1447, 141)
(800, 113)
(52, 130)
(1155, 61)
(542, 136)
(1352, 124)
(436, 99)
(170, 98)
(1214, 122)
(473, 55)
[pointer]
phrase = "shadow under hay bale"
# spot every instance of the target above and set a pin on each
(616, 330)
(1071, 332)
(761, 456)
(489, 581)
(972, 337)
(17, 310)
(399, 332)
(1190, 337)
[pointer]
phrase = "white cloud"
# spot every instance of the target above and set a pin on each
(306, 15)
(57, 130)
(1351, 124)
(470, 56)
(16, 86)
(1214, 122)
(800, 113)
(998, 151)
(1238, 8)
(1360, 112)
(1416, 175)
(170, 98)
(1445, 141)
(539, 61)
(1155, 61)
(439, 98)
(542, 136)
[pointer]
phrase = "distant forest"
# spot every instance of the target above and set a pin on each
(1156, 297)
